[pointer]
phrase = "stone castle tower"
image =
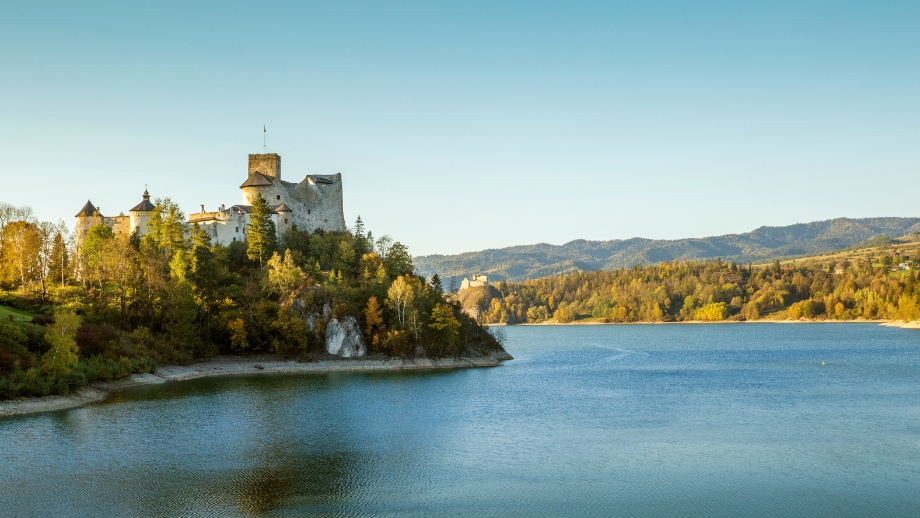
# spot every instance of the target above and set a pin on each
(313, 203)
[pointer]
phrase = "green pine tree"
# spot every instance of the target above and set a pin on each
(59, 260)
(261, 237)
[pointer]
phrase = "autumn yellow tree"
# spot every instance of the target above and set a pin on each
(61, 335)
(400, 296)
(283, 275)
(21, 246)
(373, 321)
(712, 312)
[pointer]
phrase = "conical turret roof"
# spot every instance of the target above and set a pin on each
(256, 179)
(145, 205)
(88, 210)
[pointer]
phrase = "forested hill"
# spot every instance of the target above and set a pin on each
(518, 263)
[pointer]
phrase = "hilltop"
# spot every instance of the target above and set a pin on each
(764, 244)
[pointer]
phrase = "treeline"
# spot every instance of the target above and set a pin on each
(126, 302)
(710, 291)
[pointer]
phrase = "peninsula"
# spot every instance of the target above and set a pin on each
(278, 274)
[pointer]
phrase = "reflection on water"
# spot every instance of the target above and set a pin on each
(591, 421)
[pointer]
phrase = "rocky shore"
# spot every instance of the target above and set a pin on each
(234, 365)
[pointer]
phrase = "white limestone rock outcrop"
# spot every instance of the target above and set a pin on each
(344, 338)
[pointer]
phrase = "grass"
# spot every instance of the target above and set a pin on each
(17, 314)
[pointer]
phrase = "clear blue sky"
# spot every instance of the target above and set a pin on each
(477, 125)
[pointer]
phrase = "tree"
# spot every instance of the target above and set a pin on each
(436, 285)
(238, 336)
(22, 242)
(96, 247)
(373, 321)
(43, 257)
(62, 337)
(60, 259)
(283, 275)
(204, 275)
(260, 235)
(399, 297)
(294, 240)
(397, 259)
(123, 270)
(359, 228)
(167, 226)
(10, 213)
(444, 325)
(181, 308)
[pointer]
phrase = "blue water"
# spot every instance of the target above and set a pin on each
(661, 420)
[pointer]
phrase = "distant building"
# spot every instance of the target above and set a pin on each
(478, 280)
(839, 270)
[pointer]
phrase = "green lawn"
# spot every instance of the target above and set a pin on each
(19, 315)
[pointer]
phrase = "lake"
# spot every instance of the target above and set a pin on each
(628, 420)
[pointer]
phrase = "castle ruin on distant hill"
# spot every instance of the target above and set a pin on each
(478, 281)
(315, 203)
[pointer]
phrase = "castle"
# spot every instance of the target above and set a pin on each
(315, 203)
(90, 216)
(478, 281)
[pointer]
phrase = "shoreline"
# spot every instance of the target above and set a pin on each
(887, 323)
(232, 366)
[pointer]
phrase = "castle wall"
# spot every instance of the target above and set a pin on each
(119, 224)
(225, 227)
(314, 205)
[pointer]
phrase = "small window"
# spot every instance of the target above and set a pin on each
(285, 220)
(237, 229)
(278, 197)
(308, 211)
(234, 239)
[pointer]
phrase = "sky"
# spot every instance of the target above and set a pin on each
(473, 125)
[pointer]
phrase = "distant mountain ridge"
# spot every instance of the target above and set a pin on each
(518, 263)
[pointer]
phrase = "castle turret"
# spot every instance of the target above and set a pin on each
(140, 215)
(285, 219)
(88, 216)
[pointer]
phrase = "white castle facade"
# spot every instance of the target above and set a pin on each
(314, 203)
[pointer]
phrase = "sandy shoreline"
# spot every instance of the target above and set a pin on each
(229, 366)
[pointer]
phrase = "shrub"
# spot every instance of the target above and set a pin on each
(96, 340)
(35, 337)
(42, 320)
(13, 357)
(712, 312)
